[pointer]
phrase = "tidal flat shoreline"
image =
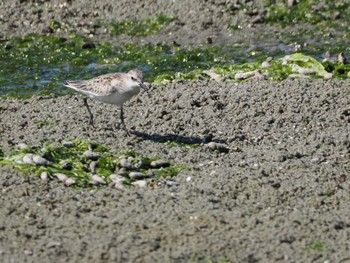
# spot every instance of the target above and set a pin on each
(280, 194)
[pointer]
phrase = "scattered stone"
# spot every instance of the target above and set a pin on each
(140, 183)
(68, 144)
(305, 71)
(213, 75)
(342, 58)
(119, 186)
(53, 244)
(122, 172)
(126, 163)
(214, 146)
(138, 164)
(28, 252)
(61, 177)
(67, 166)
(246, 75)
(92, 155)
(96, 180)
(138, 175)
(188, 179)
(327, 57)
(69, 182)
(266, 63)
(171, 183)
(291, 3)
(328, 76)
(117, 178)
(33, 159)
(28, 159)
(44, 176)
(92, 167)
(22, 146)
(159, 164)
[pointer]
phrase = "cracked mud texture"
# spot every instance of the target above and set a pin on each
(281, 194)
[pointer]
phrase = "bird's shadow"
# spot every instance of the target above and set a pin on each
(169, 138)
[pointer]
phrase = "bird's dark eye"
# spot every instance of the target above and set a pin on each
(133, 78)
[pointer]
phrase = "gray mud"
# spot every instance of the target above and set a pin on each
(281, 193)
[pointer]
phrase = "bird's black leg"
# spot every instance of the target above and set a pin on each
(91, 121)
(122, 121)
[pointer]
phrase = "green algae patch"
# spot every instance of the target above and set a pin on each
(308, 12)
(39, 64)
(85, 164)
(318, 246)
(188, 145)
(140, 28)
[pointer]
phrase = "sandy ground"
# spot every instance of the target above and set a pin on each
(281, 194)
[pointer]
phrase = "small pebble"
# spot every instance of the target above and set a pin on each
(189, 178)
(122, 172)
(245, 75)
(119, 186)
(328, 76)
(213, 75)
(61, 177)
(305, 71)
(117, 178)
(33, 159)
(69, 182)
(93, 166)
(218, 147)
(67, 166)
(138, 164)
(266, 63)
(342, 58)
(159, 163)
(53, 244)
(138, 175)
(171, 183)
(140, 183)
(22, 146)
(28, 159)
(68, 144)
(126, 163)
(92, 155)
(96, 180)
(38, 160)
(44, 176)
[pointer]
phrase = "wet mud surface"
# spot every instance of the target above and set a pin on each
(280, 193)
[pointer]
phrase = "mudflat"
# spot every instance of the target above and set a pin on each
(280, 193)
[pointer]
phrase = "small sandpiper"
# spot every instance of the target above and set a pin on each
(113, 88)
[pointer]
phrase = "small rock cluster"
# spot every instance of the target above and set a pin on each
(131, 170)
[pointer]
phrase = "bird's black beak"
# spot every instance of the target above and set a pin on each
(144, 86)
